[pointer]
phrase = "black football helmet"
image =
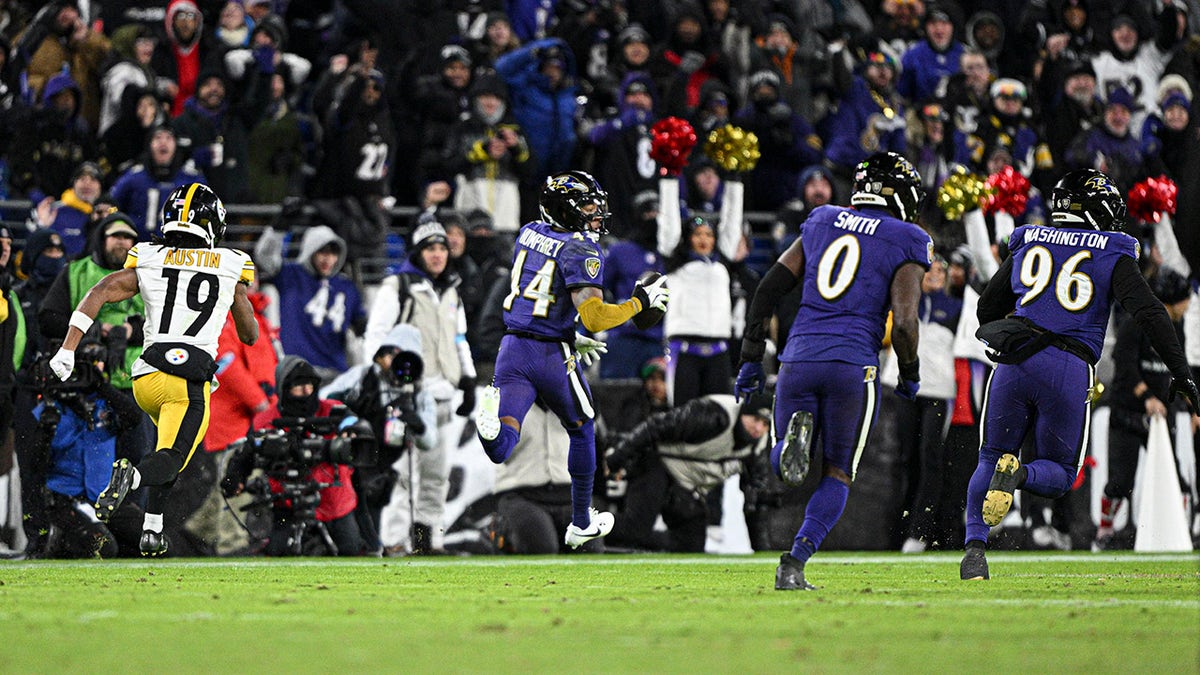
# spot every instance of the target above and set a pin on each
(1086, 198)
(565, 195)
(196, 210)
(886, 179)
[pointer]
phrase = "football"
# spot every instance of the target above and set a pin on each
(649, 315)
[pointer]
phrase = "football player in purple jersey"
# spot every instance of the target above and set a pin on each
(1056, 289)
(557, 274)
(855, 264)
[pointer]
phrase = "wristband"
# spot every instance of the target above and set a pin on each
(81, 321)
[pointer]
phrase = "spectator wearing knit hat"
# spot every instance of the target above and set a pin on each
(59, 40)
(1111, 147)
(927, 64)
(179, 57)
(621, 143)
(687, 60)
(797, 56)
(424, 293)
(1072, 107)
(1135, 62)
(69, 213)
(869, 119)
(1164, 133)
(50, 141)
(212, 131)
(440, 100)
(140, 189)
(497, 40)
(786, 140)
(489, 156)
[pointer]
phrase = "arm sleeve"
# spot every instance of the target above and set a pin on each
(670, 220)
(729, 231)
(598, 315)
(778, 282)
(1164, 238)
(697, 421)
(975, 226)
(998, 298)
(1135, 296)
(1125, 355)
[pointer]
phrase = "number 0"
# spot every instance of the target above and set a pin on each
(846, 249)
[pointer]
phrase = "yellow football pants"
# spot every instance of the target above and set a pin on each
(179, 409)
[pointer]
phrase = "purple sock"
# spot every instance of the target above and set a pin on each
(499, 448)
(977, 530)
(822, 513)
(581, 464)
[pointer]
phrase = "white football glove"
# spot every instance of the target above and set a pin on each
(656, 292)
(62, 363)
(589, 350)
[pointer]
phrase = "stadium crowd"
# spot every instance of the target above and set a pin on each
(422, 134)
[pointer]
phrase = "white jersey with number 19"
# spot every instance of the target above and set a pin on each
(187, 293)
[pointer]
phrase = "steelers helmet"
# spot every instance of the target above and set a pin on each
(1087, 199)
(565, 195)
(888, 180)
(196, 210)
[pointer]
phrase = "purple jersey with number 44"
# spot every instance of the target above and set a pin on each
(1063, 279)
(547, 265)
(850, 257)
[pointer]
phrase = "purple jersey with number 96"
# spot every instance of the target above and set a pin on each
(547, 265)
(850, 257)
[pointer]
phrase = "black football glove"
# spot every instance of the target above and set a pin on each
(467, 384)
(1186, 387)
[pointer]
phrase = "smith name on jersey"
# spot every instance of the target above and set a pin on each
(187, 293)
(850, 257)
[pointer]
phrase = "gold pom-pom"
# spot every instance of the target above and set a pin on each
(732, 148)
(962, 191)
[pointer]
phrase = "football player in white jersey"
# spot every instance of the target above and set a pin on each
(188, 283)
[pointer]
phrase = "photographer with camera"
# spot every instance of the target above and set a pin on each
(300, 444)
(387, 393)
(78, 422)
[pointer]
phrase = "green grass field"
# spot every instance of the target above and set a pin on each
(873, 612)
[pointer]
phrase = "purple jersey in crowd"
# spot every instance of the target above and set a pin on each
(1063, 279)
(850, 257)
(547, 265)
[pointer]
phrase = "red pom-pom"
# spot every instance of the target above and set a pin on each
(1009, 192)
(672, 140)
(1149, 199)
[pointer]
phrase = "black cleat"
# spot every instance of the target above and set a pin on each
(999, 497)
(974, 565)
(114, 493)
(795, 457)
(789, 576)
(152, 544)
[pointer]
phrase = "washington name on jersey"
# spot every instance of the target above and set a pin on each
(187, 293)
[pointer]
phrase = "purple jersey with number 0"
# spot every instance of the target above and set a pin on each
(850, 257)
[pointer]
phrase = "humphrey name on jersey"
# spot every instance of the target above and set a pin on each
(547, 246)
(192, 257)
(1049, 235)
(856, 223)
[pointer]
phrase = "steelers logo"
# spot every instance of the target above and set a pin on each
(177, 356)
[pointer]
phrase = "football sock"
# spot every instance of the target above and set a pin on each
(977, 530)
(499, 448)
(822, 513)
(581, 464)
(1108, 511)
(153, 522)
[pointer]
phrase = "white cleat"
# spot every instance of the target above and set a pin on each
(488, 419)
(601, 525)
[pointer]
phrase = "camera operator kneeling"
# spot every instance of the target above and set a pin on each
(306, 446)
(79, 421)
(674, 458)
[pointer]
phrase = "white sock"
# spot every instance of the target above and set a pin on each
(152, 522)
(137, 481)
